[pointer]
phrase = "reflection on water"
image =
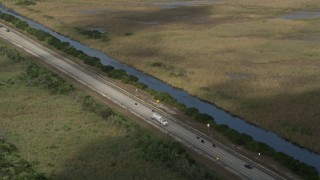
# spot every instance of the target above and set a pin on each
(169, 6)
(175, 4)
(221, 116)
(313, 38)
(96, 11)
(148, 22)
(234, 75)
(302, 15)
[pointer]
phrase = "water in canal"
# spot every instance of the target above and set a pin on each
(302, 15)
(220, 116)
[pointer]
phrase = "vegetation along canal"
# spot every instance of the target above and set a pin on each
(220, 116)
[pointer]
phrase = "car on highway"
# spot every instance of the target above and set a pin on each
(249, 166)
(202, 140)
(8, 30)
(213, 145)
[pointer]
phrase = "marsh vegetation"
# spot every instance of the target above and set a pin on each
(65, 134)
(213, 44)
(240, 139)
(207, 43)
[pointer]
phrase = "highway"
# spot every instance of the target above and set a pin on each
(187, 135)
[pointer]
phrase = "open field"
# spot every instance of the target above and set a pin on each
(240, 55)
(62, 140)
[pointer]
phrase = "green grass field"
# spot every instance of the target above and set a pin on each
(62, 140)
(240, 55)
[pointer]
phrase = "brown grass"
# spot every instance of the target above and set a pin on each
(214, 45)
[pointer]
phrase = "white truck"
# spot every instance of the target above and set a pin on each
(159, 118)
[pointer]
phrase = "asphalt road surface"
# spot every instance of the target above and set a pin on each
(181, 132)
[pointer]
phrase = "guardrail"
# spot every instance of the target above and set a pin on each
(222, 146)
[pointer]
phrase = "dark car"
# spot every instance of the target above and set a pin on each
(7, 30)
(249, 166)
(213, 145)
(202, 140)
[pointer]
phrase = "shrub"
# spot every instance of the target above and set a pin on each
(26, 2)
(10, 53)
(90, 105)
(91, 34)
(12, 166)
(173, 155)
(36, 76)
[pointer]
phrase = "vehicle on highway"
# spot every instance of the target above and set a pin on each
(8, 30)
(159, 119)
(213, 145)
(249, 166)
(202, 140)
